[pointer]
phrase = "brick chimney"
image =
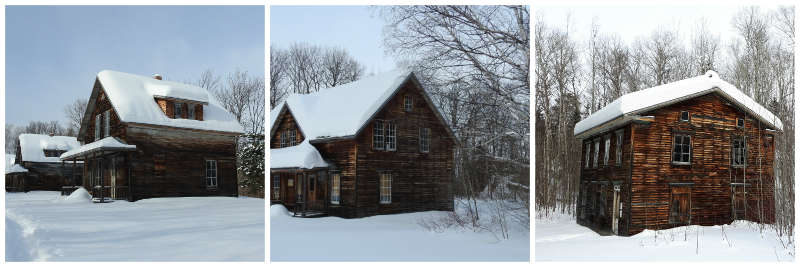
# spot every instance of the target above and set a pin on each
(157, 76)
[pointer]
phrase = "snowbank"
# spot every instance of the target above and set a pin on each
(132, 97)
(33, 146)
(665, 94)
(16, 168)
(560, 238)
(80, 195)
(278, 211)
(341, 110)
(304, 156)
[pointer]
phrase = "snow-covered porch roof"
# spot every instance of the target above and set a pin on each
(103, 146)
(302, 156)
(16, 168)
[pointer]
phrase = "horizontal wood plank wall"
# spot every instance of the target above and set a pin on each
(343, 156)
(285, 122)
(609, 175)
(712, 127)
(102, 104)
(420, 181)
(185, 153)
(47, 175)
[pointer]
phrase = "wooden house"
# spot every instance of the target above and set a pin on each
(143, 137)
(692, 152)
(37, 165)
(373, 146)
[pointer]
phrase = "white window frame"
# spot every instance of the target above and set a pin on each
(390, 135)
(688, 116)
(425, 140)
(378, 135)
(276, 187)
(97, 119)
(336, 188)
(596, 152)
(607, 146)
(737, 122)
(293, 137)
(681, 153)
(284, 139)
(385, 187)
(211, 174)
(738, 152)
(588, 153)
(408, 103)
(107, 123)
(620, 136)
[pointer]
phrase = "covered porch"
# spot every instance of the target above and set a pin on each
(107, 171)
(299, 180)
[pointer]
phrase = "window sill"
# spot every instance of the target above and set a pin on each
(681, 163)
(211, 188)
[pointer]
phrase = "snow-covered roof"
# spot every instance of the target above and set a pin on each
(33, 145)
(666, 94)
(342, 110)
(108, 143)
(132, 97)
(16, 168)
(302, 156)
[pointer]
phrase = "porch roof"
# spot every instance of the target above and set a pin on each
(302, 156)
(108, 144)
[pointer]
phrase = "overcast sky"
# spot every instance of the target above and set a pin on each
(354, 28)
(630, 22)
(53, 53)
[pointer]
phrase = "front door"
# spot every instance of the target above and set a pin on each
(616, 213)
(680, 205)
(739, 194)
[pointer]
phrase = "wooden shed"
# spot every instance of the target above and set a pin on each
(373, 146)
(692, 152)
(143, 137)
(39, 166)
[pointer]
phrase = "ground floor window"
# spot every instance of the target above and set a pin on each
(276, 187)
(211, 173)
(385, 187)
(680, 205)
(335, 188)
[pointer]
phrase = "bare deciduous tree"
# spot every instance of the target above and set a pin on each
(74, 113)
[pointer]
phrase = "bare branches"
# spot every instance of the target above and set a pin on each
(74, 113)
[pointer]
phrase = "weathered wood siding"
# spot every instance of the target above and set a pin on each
(285, 123)
(342, 154)
(712, 128)
(420, 181)
(101, 105)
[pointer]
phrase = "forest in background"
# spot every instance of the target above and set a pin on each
(576, 77)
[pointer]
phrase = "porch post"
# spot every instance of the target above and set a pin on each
(127, 159)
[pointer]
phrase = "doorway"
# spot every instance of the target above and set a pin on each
(617, 211)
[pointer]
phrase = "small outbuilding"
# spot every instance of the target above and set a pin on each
(37, 165)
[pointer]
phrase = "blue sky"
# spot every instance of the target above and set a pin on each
(53, 53)
(358, 29)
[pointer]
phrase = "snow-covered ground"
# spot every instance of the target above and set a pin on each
(398, 237)
(44, 226)
(559, 238)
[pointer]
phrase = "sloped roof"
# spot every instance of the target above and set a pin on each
(108, 143)
(302, 156)
(342, 111)
(666, 94)
(16, 168)
(132, 97)
(33, 145)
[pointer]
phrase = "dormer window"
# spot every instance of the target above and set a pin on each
(190, 112)
(684, 116)
(178, 110)
(53, 152)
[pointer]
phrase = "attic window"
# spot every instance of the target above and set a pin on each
(408, 103)
(740, 122)
(684, 116)
(53, 152)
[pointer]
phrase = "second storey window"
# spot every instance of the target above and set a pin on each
(385, 187)
(596, 153)
(107, 123)
(681, 149)
(738, 151)
(740, 123)
(211, 173)
(425, 140)
(284, 139)
(619, 147)
(293, 137)
(377, 135)
(391, 136)
(606, 150)
(178, 110)
(588, 152)
(684, 116)
(408, 103)
(97, 119)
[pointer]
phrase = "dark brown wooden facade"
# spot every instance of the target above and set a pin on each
(44, 176)
(167, 161)
(647, 188)
(420, 181)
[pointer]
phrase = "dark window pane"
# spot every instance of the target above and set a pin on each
(685, 157)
